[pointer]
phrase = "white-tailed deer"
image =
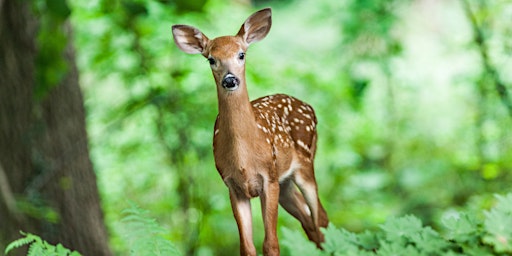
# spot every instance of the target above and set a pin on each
(262, 148)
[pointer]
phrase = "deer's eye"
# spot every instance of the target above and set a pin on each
(211, 61)
(241, 55)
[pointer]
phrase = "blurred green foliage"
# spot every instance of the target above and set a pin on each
(410, 121)
(144, 235)
(51, 66)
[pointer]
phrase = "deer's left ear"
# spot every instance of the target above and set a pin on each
(256, 27)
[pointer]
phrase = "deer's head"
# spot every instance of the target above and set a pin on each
(226, 54)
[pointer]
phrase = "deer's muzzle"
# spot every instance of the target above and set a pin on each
(230, 82)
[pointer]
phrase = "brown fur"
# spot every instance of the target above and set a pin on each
(262, 148)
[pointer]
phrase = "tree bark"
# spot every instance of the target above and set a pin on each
(48, 186)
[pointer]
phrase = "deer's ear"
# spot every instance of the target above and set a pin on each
(189, 39)
(256, 27)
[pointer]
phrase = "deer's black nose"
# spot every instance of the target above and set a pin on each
(230, 82)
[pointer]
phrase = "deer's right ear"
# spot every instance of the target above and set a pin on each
(189, 39)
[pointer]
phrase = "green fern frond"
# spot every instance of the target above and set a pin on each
(39, 247)
(144, 235)
(27, 239)
(36, 249)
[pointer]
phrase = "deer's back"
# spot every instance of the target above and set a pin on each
(287, 122)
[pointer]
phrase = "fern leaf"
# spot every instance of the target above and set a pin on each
(29, 238)
(39, 247)
(36, 249)
(144, 234)
(60, 250)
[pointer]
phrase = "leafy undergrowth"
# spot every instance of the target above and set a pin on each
(464, 234)
(39, 247)
(142, 234)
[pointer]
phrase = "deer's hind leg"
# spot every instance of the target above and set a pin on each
(294, 203)
(305, 180)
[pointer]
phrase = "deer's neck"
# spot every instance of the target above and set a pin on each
(236, 116)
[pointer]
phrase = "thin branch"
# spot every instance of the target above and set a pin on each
(5, 190)
(479, 40)
(8, 196)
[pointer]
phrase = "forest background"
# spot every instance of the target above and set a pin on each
(412, 97)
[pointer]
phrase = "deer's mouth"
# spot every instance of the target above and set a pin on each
(230, 82)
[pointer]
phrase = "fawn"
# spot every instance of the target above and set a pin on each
(264, 147)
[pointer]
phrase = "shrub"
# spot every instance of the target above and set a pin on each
(464, 234)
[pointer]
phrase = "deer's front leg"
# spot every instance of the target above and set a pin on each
(241, 206)
(269, 204)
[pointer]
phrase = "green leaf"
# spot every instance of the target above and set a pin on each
(395, 249)
(397, 229)
(497, 224)
(39, 247)
(368, 240)
(462, 228)
(295, 242)
(20, 242)
(339, 241)
(144, 234)
(36, 249)
(427, 240)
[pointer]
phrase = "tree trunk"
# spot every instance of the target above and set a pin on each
(47, 183)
